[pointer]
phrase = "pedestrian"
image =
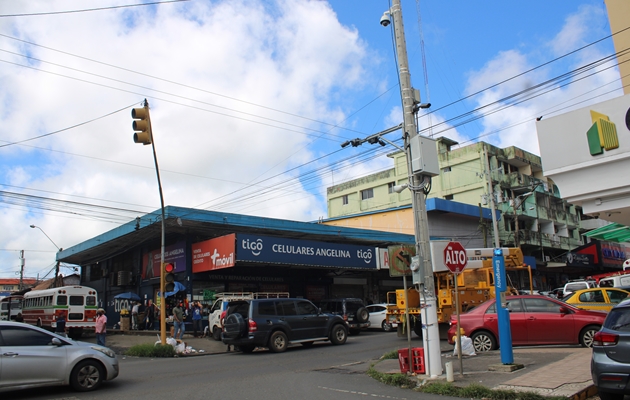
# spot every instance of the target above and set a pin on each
(101, 327)
(60, 324)
(196, 318)
(149, 315)
(19, 317)
(134, 315)
(178, 321)
(222, 321)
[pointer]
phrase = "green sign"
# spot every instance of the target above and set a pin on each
(208, 295)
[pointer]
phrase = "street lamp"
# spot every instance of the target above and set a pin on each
(58, 248)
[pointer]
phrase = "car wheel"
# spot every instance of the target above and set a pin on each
(586, 336)
(610, 396)
(86, 375)
(278, 342)
(363, 315)
(483, 341)
(234, 326)
(338, 335)
(216, 333)
(386, 327)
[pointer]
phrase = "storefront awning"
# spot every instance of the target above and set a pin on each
(613, 233)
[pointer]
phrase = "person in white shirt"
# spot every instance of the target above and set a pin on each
(134, 315)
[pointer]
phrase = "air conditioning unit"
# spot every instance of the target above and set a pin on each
(124, 278)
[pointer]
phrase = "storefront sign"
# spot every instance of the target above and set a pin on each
(277, 250)
(579, 260)
(213, 254)
(174, 254)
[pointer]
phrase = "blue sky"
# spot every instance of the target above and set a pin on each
(250, 101)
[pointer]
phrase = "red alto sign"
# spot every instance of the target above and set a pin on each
(455, 257)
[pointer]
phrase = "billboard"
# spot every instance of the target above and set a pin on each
(213, 254)
(174, 254)
(276, 250)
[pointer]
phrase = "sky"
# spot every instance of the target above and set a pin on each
(250, 101)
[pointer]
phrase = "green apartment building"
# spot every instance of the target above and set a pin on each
(532, 213)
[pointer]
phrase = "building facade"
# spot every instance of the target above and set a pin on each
(532, 213)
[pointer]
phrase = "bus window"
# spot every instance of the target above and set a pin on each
(62, 300)
(90, 301)
(76, 300)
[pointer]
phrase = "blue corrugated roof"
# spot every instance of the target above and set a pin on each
(191, 218)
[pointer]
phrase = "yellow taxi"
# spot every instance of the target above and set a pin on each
(601, 299)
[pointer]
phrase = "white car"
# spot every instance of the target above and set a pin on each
(32, 357)
(378, 317)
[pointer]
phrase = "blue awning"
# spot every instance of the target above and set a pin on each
(178, 288)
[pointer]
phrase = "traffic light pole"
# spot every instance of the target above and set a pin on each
(145, 136)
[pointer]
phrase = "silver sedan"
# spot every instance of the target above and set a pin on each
(378, 317)
(32, 357)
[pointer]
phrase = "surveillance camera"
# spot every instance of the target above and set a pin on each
(385, 21)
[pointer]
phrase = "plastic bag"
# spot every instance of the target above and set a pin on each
(467, 346)
(180, 347)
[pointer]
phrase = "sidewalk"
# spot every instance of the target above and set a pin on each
(549, 371)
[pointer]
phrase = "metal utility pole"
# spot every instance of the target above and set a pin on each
(144, 134)
(431, 337)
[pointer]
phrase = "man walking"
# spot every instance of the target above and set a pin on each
(178, 321)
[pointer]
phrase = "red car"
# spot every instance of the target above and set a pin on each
(534, 320)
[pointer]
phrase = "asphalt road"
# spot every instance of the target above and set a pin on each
(323, 371)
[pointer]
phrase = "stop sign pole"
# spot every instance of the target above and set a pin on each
(455, 259)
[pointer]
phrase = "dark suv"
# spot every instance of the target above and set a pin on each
(275, 323)
(352, 311)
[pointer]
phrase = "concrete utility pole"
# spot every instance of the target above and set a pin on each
(431, 336)
(21, 270)
(491, 198)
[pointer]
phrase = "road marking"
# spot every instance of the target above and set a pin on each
(380, 396)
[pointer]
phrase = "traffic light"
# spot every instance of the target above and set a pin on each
(142, 124)
(169, 277)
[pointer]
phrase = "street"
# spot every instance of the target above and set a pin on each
(321, 372)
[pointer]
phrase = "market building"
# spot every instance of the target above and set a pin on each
(217, 252)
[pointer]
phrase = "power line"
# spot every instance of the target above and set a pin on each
(91, 9)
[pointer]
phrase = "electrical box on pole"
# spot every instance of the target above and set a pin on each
(424, 156)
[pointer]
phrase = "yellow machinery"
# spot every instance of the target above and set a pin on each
(475, 284)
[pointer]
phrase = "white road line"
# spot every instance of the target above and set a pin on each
(380, 396)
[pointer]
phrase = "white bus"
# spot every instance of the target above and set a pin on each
(78, 303)
(10, 307)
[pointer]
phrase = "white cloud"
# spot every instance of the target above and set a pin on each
(292, 56)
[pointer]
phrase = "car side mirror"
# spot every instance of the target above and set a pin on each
(56, 342)
(564, 310)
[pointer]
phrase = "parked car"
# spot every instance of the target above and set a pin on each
(534, 320)
(276, 323)
(602, 299)
(610, 362)
(572, 286)
(33, 357)
(352, 310)
(378, 317)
